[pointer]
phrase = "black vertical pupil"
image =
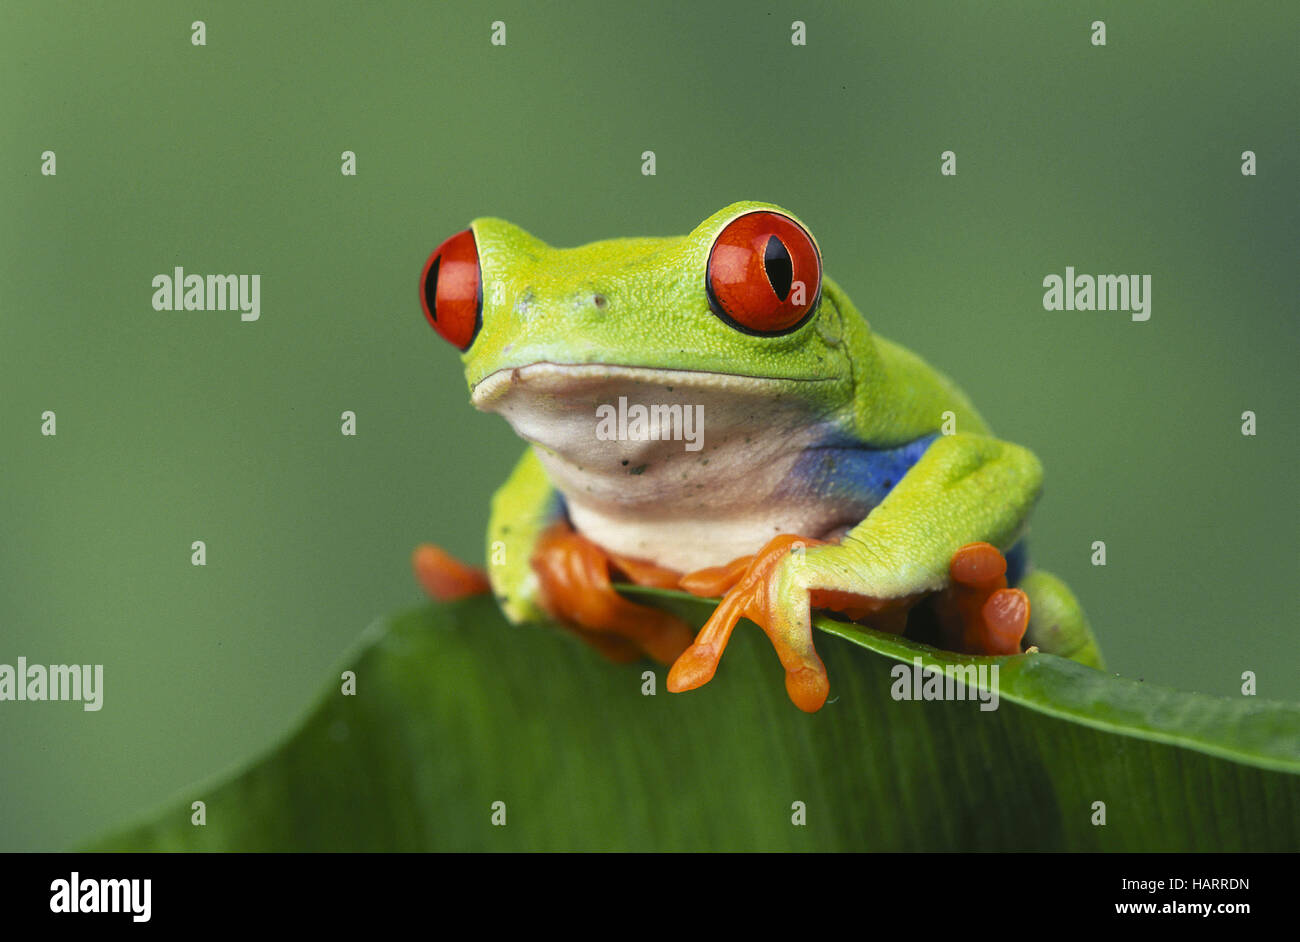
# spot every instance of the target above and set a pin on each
(431, 288)
(779, 267)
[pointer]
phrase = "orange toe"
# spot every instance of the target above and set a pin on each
(1006, 616)
(695, 667)
(978, 613)
(977, 565)
(444, 576)
(808, 687)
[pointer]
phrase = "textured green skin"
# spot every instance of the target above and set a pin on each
(540, 305)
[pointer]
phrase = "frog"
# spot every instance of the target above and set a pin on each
(710, 413)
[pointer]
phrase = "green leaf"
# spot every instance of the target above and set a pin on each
(456, 710)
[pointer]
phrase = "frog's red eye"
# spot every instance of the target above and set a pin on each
(764, 274)
(451, 290)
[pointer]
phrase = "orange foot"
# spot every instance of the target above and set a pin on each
(445, 577)
(749, 584)
(574, 578)
(978, 614)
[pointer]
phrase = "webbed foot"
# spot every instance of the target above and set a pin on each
(757, 587)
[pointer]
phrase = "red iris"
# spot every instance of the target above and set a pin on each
(451, 290)
(764, 274)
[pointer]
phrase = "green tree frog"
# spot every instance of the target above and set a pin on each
(711, 413)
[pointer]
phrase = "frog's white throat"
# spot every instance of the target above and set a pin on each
(684, 468)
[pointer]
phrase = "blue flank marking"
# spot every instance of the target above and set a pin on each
(1017, 561)
(852, 473)
(855, 474)
(865, 476)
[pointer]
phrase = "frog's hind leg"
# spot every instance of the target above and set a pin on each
(1057, 624)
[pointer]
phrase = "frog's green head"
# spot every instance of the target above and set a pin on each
(742, 297)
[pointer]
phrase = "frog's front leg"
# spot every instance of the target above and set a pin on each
(964, 490)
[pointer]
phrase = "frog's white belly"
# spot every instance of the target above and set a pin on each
(724, 486)
(690, 543)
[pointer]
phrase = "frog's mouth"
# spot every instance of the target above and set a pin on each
(605, 418)
(584, 380)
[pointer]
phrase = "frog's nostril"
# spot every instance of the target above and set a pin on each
(600, 301)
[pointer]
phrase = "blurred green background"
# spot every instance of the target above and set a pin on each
(180, 426)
